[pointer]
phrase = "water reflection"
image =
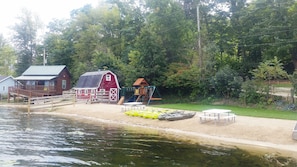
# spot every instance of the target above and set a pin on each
(42, 140)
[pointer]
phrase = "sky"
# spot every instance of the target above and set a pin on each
(45, 9)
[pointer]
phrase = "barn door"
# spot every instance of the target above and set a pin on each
(113, 94)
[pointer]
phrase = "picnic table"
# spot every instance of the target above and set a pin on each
(217, 115)
(133, 106)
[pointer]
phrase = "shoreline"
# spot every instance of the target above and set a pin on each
(255, 135)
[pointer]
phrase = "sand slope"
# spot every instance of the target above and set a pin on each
(266, 135)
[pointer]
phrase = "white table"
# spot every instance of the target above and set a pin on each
(132, 103)
(132, 106)
(216, 115)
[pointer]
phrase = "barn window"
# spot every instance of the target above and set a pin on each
(108, 77)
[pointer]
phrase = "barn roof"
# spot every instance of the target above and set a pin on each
(91, 79)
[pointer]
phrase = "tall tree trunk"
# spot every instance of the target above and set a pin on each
(294, 57)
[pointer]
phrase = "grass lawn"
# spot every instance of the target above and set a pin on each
(286, 84)
(243, 111)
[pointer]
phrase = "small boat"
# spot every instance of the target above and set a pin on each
(176, 115)
(168, 114)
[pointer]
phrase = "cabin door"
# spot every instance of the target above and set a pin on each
(113, 94)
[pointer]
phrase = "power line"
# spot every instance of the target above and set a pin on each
(268, 33)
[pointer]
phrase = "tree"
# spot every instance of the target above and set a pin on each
(293, 79)
(227, 83)
(58, 43)
(25, 40)
(184, 81)
(270, 70)
(167, 19)
(7, 58)
(91, 40)
(130, 19)
(292, 20)
(266, 32)
(148, 60)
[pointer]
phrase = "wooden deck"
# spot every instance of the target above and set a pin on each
(19, 92)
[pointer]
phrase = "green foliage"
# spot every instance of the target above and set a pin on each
(157, 40)
(183, 80)
(168, 21)
(25, 40)
(7, 58)
(226, 83)
(293, 79)
(86, 40)
(148, 58)
(57, 44)
(269, 70)
(252, 92)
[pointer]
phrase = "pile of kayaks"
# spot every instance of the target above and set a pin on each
(152, 114)
(161, 114)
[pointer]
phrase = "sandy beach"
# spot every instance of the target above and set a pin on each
(272, 136)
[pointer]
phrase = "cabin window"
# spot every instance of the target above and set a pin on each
(40, 83)
(64, 84)
(108, 77)
(51, 83)
(4, 88)
(30, 83)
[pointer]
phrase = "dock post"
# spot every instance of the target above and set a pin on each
(29, 102)
(74, 99)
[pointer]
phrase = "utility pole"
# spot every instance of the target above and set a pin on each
(44, 59)
(199, 37)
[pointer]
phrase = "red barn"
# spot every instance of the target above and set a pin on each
(98, 86)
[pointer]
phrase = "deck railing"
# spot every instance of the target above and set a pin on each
(33, 91)
(49, 102)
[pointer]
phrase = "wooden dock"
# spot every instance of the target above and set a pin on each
(49, 102)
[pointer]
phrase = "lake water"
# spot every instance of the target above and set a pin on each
(33, 140)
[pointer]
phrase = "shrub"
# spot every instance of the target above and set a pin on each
(226, 83)
(252, 92)
(293, 79)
